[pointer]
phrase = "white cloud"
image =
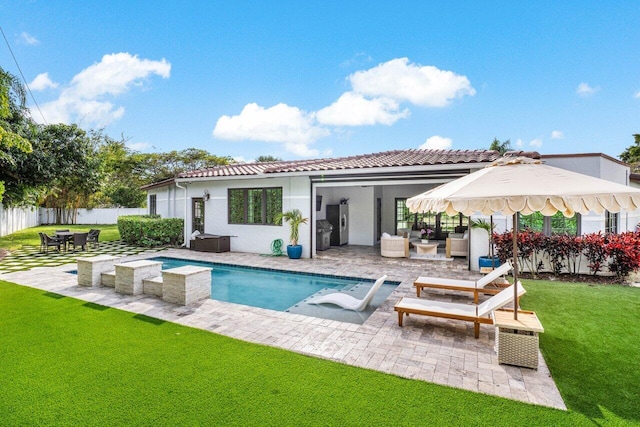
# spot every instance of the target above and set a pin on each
(240, 159)
(280, 123)
(138, 146)
(83, 100)
(420, 85)
(357, 59)
(437, 142)
(353, 109)
(537, 143)
(519, 143)
(557, 134)
(585, 90)
(28, 39)
(637, 95)
(42, 82)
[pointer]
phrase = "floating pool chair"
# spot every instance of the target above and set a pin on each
(347, 301)
(450, 310)
(477, 286)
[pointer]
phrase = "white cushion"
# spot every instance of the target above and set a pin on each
(385, 234)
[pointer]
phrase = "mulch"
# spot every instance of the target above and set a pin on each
(576, 278)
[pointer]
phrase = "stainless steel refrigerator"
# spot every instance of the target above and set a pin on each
(338, 216)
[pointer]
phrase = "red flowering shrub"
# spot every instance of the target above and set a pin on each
(594, 248)
(624, 253)
(564, 252)
(504, 245)
(530, 243)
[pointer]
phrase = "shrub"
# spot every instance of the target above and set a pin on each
(595, 251)
(624, 253)
(150, 230)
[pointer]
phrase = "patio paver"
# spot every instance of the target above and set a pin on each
(435, 350)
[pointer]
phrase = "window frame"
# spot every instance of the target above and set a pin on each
(611, 222)
(247, 196)
(547, 221)
(153, 204)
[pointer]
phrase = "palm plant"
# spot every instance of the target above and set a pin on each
(295, 219)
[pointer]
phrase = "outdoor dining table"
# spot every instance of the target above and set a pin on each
(65, 236)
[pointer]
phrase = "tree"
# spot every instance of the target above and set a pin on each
(76, 169)
(15, 123)
(159, 166)
(264, 159)
(632, 154)
(500, 147)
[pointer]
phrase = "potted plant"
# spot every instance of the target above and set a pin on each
(425, 233)
(489, 260)
(295, 219)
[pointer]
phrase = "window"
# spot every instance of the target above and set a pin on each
(556, 224)
(442, 224)
(152, 205)
(610, 223)
(197, 214)
(254, 205)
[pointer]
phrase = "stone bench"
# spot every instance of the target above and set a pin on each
(185, 285)
(109, 279)
(129, 275)
(152, 286)
(90, 269)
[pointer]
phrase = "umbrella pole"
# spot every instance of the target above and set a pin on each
(515, 265)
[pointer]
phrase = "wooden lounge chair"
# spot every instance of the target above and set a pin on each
(477, 286)
(471, 313)
(347, 301)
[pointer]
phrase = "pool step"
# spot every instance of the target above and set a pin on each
(108, 278)
(152, 286)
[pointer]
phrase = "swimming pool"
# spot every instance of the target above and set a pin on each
(272, 289)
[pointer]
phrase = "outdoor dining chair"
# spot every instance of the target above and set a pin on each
(79, 239)
(51, 241)
(92, 238)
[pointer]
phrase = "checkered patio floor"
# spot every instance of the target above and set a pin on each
(29, 256)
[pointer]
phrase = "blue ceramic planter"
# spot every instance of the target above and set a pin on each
(485, 261)
(294, 252)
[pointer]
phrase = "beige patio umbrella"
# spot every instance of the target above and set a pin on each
(512, 185)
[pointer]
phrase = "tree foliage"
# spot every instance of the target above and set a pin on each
(269, 158)
(632, 154)
(154, 167)
(15, 124)
(501, 147)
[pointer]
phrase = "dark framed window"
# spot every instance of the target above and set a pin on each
(153, 207)
(610, 222)
(259, 206)
(556, 224)
(197, 214)
(441, 224)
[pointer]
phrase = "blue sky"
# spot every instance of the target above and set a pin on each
(322, 79)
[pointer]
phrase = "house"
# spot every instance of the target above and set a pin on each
(242, 200)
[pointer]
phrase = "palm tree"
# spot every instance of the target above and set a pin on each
(295, 219)
(501, 147)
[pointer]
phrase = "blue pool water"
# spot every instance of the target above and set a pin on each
(273, 289)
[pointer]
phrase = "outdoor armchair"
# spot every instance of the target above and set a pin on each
(79, 239)
(92, 237)
(51, 241)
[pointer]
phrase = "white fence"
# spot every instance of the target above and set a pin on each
(16, 219)
(93, 216)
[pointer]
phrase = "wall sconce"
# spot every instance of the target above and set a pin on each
(206, 195)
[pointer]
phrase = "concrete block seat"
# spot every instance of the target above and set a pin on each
(187, 284)
(90, 269)
(152, 286)
(129, 275)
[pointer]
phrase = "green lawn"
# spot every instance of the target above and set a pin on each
(30, 237)
(65, 361)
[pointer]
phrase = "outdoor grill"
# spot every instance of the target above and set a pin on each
(323, 234)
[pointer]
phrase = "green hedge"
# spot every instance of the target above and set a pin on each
(150, 230)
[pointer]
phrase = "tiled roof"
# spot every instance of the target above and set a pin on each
(396, 158)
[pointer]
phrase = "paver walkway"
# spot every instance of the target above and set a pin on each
(435, 350)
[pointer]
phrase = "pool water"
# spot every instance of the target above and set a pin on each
(272, 289)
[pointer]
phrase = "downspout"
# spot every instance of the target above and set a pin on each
(312, 222)
(185, 213)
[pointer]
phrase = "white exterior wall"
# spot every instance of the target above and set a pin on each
(93, 216)
(169, 201)
(16, 219)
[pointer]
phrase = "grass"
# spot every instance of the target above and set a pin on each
(70, 362)
(591, 344)
(65, 361)
(30, 237)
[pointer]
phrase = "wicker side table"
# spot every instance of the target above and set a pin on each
(517, 340)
